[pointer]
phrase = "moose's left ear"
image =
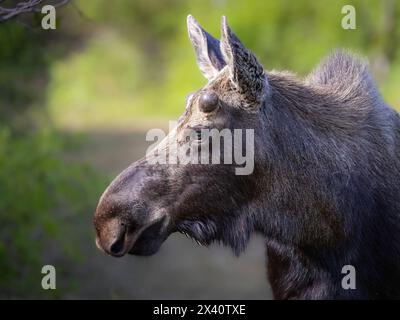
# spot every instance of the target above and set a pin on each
(245, 70)
(207, 48)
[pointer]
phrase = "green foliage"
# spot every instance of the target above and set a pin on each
(42, 199)
(20, 58)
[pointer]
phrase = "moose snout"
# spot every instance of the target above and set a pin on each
(115, 224)
(125, 225)
(124, 220)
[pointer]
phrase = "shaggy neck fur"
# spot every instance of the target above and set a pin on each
(332, 195)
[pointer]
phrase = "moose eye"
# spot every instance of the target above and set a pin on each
(208, 101)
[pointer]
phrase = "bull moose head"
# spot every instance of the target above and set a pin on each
(208, 202)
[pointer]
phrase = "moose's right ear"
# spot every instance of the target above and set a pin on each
(207, 48)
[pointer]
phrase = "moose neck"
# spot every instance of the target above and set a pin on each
(318, 208)
(300, 154)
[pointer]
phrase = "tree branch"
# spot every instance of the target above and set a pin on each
(7, 13)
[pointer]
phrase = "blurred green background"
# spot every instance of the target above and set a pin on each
(75, 104)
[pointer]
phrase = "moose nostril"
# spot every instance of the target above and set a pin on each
(118, 245)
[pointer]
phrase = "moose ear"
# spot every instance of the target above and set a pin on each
(207, 48)
(245, 70)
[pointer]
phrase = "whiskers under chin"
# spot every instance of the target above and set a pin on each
(203, 232)
(233, 232)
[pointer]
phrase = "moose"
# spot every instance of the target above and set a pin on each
(324, 192)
